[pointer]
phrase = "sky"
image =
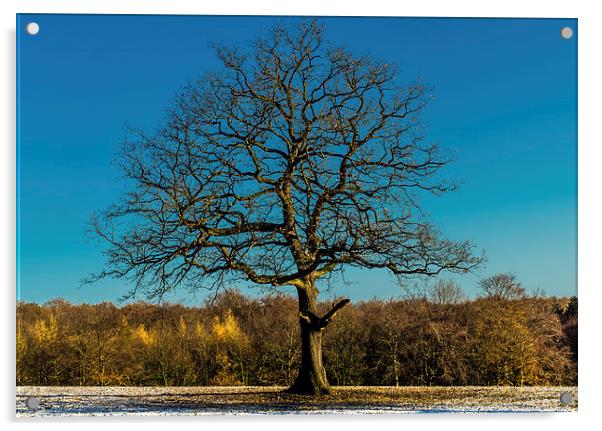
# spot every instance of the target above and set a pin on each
(505, 105)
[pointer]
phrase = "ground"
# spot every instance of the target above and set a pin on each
(115, 401)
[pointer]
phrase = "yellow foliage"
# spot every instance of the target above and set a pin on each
(21, 344)
(147, 338)
(20, 356)
(505, 348)
(45, 332)
(182, 327)
(199, 330)
(227, 329)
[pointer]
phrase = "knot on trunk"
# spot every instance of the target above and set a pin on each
(318, 323)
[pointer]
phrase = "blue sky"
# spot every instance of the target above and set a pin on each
(505, 105)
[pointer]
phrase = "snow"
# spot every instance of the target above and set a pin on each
(194, 401)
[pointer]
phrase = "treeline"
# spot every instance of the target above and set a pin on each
(239, 340)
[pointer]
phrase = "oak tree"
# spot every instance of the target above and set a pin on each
(293, 160)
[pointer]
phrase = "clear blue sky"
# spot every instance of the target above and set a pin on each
(506, 105)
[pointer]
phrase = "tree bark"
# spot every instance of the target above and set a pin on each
(312, 379)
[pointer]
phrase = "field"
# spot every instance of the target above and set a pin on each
(118, 401)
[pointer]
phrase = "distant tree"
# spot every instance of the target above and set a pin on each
(231, 350)
(502, 286)
(275, 337)
(503, 350)
(517, 342)
(569, 319)
(21, 352)
(446, 292)
(292, 161)
(388, 325)
(344, 349)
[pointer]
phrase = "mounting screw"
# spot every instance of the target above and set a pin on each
(32, 403)
(566, 32)
(33, 28)
(566, 398)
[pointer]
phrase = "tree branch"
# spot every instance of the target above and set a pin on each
(328, 317)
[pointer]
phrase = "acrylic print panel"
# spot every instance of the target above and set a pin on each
(222, 215)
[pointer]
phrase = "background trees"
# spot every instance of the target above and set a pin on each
(345, 343)
(518, 343)
(238, 340)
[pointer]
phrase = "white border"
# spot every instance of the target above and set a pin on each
(590, 183)
(460, 8)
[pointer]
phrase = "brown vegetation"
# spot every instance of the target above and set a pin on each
(240, 340)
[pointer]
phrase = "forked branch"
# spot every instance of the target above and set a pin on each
(319, 323)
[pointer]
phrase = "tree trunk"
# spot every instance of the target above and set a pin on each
(311, 379)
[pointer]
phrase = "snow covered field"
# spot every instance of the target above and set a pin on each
(118, 401)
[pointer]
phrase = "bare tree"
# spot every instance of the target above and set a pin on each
(446, 292)
(292, 161)
(502, 286)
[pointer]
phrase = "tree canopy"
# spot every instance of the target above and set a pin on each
(292, 160)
